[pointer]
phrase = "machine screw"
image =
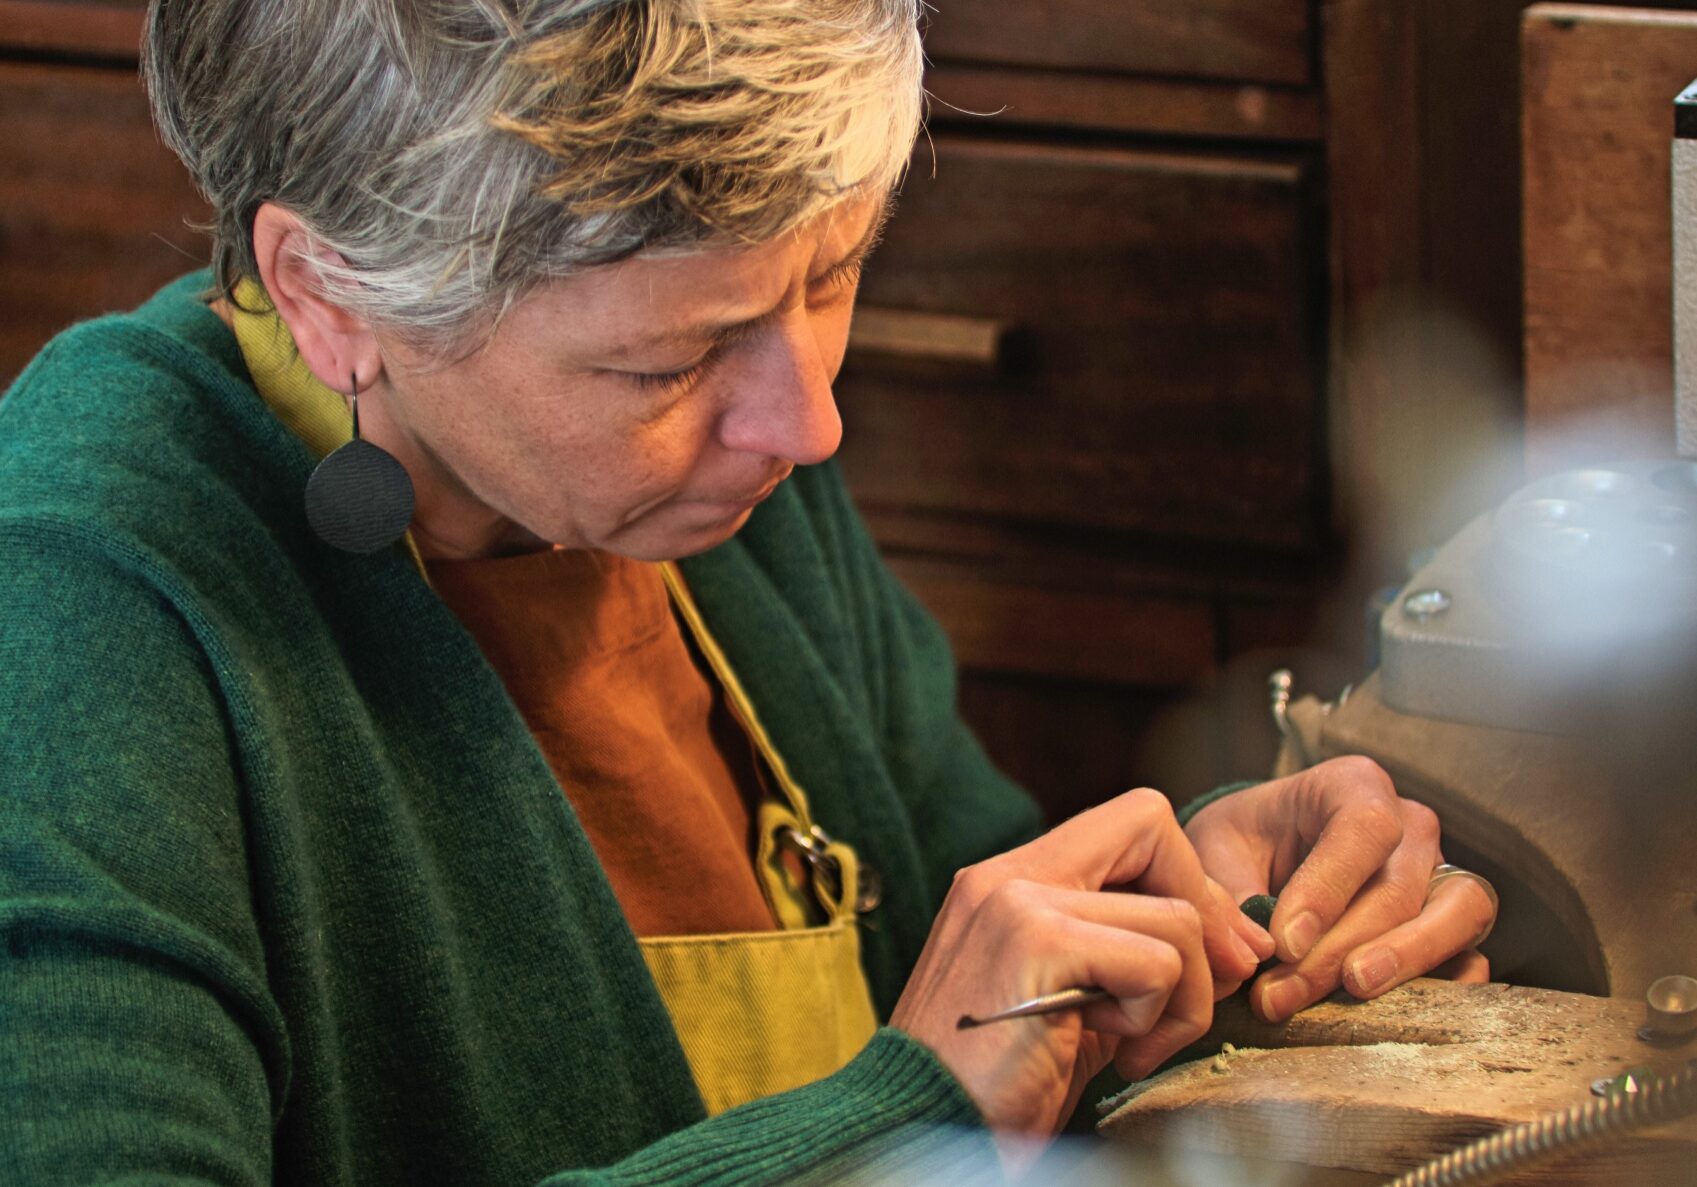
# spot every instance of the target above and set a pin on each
(1670, 1009)
(1425, 603)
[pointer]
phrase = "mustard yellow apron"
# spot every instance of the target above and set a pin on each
(762, 1012)
(755, 1012)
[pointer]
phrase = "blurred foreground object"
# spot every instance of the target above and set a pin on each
(1538, 689)
(1578, 591)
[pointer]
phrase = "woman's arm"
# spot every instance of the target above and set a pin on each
(137, 1036)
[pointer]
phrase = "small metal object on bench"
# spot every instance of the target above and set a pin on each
(1670, 1010)
(1279, 684)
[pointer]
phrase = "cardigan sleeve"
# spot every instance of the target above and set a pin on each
(137, 1036)
(893, 1115)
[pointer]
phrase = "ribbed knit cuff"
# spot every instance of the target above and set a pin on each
(893, 1115)
(1219, 793)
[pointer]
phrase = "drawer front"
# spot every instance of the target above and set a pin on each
(1267, 41)
(92, 207)
(109, 29)
(1156, 373)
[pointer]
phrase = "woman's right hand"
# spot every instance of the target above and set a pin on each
(1116, 898)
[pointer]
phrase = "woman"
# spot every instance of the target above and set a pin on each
(509, 849)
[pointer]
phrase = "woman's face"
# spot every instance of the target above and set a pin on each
(643, 408)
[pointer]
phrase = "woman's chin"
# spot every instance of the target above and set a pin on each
(690, 529)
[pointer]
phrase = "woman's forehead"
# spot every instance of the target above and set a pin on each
(651, 303)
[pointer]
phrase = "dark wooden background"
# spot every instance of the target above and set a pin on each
(1168, 361)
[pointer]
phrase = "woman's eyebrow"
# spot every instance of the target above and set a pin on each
(720, 333)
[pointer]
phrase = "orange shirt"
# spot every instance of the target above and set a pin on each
(660, 773)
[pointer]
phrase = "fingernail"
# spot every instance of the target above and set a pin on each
(1244, 952)
(1300, 934)
(1372, 970)
(1283, 997)
(1144, 1010)
(1261, 942)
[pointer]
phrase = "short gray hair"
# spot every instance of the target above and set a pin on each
(456, 153)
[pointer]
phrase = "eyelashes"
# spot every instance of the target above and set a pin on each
(672, 382)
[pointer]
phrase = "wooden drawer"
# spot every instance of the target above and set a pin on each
(1158, 373)
(1236, 40)
(92, 206)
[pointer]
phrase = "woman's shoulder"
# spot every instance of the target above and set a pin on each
(138, 428)
(173, 333)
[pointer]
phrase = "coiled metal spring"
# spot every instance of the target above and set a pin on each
(1520, 1146)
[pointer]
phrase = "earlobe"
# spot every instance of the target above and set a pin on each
(333, 342)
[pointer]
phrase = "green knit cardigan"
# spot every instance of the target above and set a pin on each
(287, 892)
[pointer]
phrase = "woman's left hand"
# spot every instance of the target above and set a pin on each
(1350, 861)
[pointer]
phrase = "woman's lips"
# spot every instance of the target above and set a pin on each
(744, 502)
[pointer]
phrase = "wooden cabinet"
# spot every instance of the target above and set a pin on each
(1133, 484)
(1086, 402)
(94, 211)
(1268, 41)
(1157, 370)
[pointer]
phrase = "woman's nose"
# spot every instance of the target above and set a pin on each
(781, 405)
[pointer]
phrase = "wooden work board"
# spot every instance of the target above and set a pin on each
(1381, 1087)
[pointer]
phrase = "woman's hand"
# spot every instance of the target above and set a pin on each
(1350, 861)
(1115, 898)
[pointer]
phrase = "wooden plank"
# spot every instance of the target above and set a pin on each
(1247, 40)
(1598, 86)
(992, 98)
(1081, 635)
(1070, 743)
(1423, 172)
(1372, 66)
(927, 339)
(92, 207)
(1384, 1086)
(1012, 551)
(81, 28)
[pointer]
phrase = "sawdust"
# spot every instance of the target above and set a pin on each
(1223, 1061)
(1392, 1059)
(1492, 1012)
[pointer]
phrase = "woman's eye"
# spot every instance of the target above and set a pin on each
(672, 381)
(839, 281)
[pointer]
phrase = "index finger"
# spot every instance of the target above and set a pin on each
(1134, 840)
(1351, 810)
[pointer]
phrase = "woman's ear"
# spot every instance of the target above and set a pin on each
(335, 345)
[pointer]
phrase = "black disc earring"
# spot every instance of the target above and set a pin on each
(360, 498)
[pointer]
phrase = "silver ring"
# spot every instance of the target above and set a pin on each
(1444, 872)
